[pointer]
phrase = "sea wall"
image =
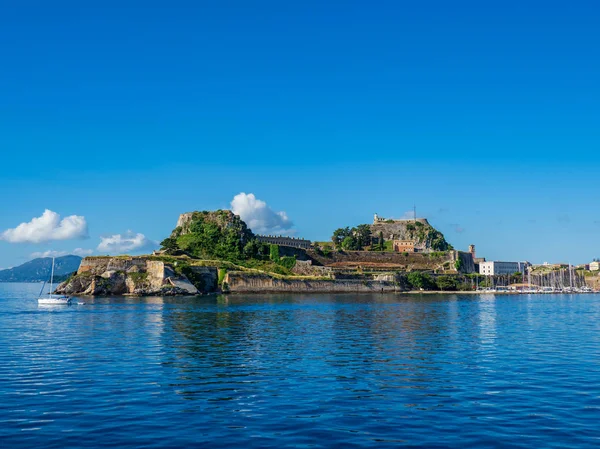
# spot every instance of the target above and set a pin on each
(241, 282)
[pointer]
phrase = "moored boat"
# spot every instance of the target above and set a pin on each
(53, 299)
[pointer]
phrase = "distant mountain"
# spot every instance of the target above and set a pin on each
(37, 270)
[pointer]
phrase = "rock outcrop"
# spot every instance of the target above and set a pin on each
(222, 219)
(425, 236)
(136, 276)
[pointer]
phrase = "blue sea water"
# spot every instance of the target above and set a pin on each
(300, 371)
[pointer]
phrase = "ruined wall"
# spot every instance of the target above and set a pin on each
(393, 260)
(98, 265)
(240, 282)
(306, 268)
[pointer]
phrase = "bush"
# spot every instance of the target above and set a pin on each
(222, 274)
(458, 264)
(447, 283)
(274, 253)
(287, 262)
(420, 280)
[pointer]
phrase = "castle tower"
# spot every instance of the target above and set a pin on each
(472, 251)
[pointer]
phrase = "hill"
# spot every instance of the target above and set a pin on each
(37, 270)
(425, 237)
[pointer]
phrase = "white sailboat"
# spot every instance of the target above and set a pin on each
(53, 299)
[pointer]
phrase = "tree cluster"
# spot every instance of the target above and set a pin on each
(352, 239)
(217, 235)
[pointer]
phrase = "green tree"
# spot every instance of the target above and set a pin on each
(363, 235)
(251, 249)
(420, 280)
(219, 234)
(381, 242)
(350, 243)
(169, 243)
(446, 283)
(339, 235)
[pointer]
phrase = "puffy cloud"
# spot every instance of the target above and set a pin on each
(82, 252)
(47, 227)
(259, 217)
(51, 253)
(125, 243)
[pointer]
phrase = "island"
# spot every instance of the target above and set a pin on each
(215, 251)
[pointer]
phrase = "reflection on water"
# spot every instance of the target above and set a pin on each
(301, 370)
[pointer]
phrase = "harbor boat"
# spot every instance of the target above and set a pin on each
(51, 299)
(54, 300)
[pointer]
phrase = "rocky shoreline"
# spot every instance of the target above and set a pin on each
(142, 276)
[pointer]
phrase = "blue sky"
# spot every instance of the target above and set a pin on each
(128, 113)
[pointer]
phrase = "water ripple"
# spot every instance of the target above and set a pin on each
(300, 371)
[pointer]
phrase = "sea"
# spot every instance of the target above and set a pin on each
(300, 371)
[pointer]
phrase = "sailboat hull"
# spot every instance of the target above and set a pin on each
(55, 300)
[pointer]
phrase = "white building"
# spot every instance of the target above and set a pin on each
(594, 266)
(495, 267)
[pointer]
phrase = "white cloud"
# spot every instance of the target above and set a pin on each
(259, 217)
(47, 227)
(82, 252)
(51, 253)
(125, 243)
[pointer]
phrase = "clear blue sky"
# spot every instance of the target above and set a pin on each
(484, 114)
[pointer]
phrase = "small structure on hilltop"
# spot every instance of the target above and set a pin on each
(379, 220)
(284, 241)
(404, 246)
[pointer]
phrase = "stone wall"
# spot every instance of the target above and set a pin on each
(408, 261)
(284, 241)
(98, 265)
(306, 268)
(240, 282)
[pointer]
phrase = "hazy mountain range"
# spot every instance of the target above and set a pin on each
(38, 270)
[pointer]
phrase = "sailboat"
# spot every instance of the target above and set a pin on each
(53, 299)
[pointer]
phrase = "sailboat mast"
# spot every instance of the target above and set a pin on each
(570, 276)
(51, 277)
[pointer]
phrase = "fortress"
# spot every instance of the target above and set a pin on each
(380, 220)
(284, 241)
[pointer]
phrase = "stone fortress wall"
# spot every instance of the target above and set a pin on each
(284, 241)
